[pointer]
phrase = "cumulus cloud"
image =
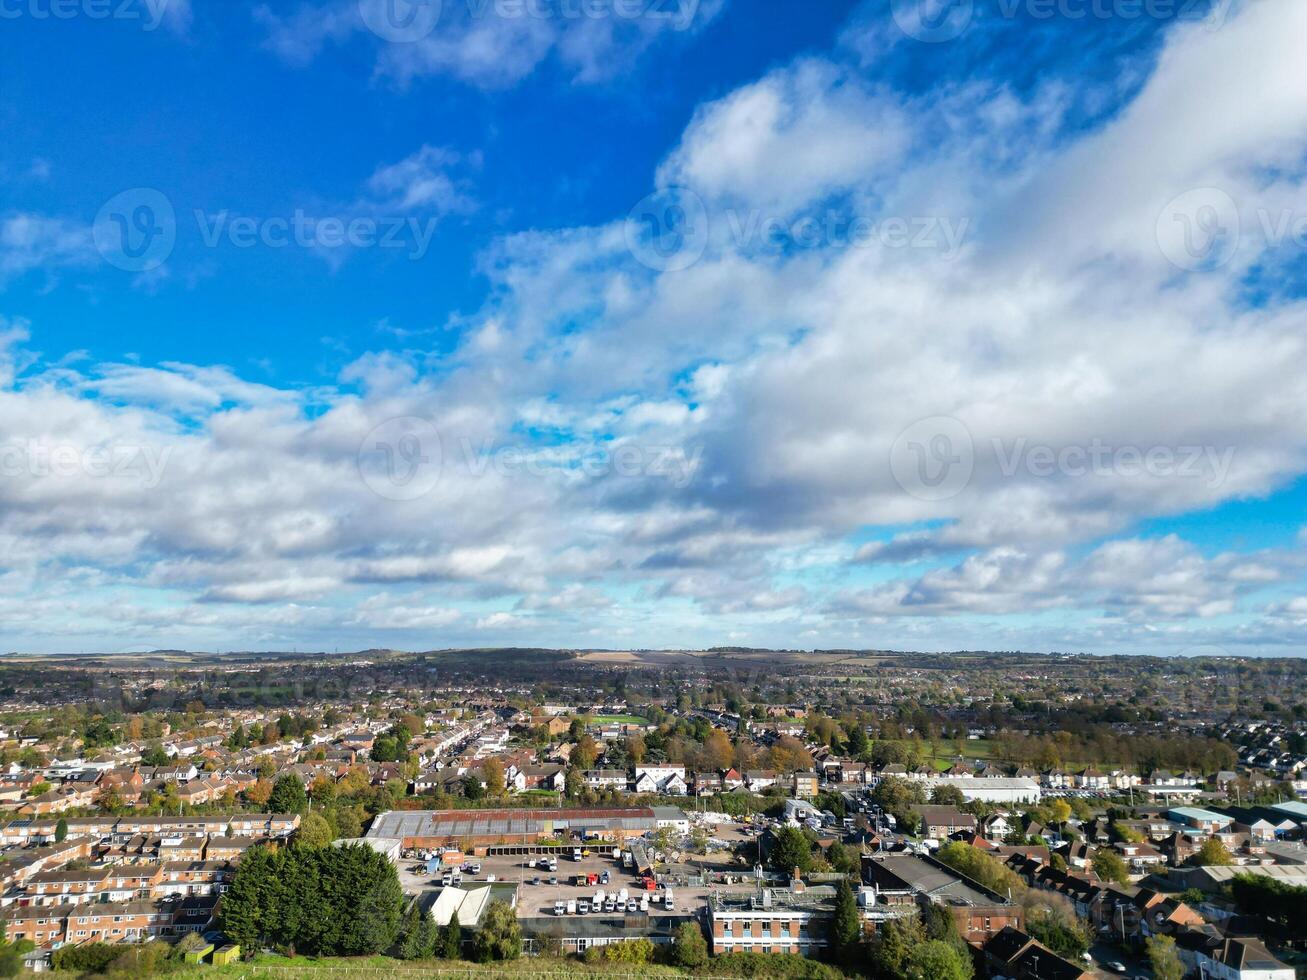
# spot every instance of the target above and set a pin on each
(1013, 290)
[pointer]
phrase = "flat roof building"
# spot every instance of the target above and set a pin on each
(469, 829)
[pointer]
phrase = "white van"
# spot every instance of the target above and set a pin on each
(560, 908)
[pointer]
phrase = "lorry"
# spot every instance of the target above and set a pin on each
(576, 854)
(571, 906)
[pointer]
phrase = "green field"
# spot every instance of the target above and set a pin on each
(380, 966)
(619, 720)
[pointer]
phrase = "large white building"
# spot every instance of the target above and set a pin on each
(994, 790)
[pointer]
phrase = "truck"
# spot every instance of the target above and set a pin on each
(668, 899)
(622, 895)
(576, 854)
(571, 906)
(599, 897)
(644, 902)
(592, 879)
(560, 908)
(583, 907)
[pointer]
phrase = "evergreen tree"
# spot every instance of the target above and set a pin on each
(288, 795)
(61, 831)
(451, 943)
(846, 929)
(790, 850)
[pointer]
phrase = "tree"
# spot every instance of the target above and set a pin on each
(789, 850)
(451, 940)
(61, 831)
(1059, 812)
(635, 748)
(314, 831)
(417, 936)
(788, 754)
(894, 943)
(154, 755)
(946, 795)
(1212, 853)
(473, 788)
(330, 901)
(1163, 958)
(1052, 919)
(846, 928)
(689, 948)
(859, 744)
(288, 795)
(500, 935)
(718, 750)
(573, 783)
(584, 753)
(938, 960)
(492, 771)
(259, 793)
(1107, 864)
(896, 795)
(979, 866)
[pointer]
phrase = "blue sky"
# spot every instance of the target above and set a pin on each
(667, 323)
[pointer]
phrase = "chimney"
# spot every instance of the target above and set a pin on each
(796, 881)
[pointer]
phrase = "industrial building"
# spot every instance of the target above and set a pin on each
(476, 830)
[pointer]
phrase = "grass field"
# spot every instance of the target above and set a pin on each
(280, 968)
(619, 720)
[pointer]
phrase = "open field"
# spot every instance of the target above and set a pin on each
(619, 720)
(281, 968)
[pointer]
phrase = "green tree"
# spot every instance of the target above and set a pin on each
(846, 928)
(500, 935)
(789, 850)
(938, 960)
(1107, 864)
(314, 831)
(979, 866)
(1212, 853)
(416, 940)
(895, 941)
(288, 795)
(689, 948)
(1163, 958)
(61, 831)
(946, 795)
(451, 940)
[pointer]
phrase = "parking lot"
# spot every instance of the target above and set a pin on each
(539, 889)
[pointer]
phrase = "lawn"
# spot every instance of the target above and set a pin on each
(619, 720)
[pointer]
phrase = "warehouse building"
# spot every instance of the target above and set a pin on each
(475, 830)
